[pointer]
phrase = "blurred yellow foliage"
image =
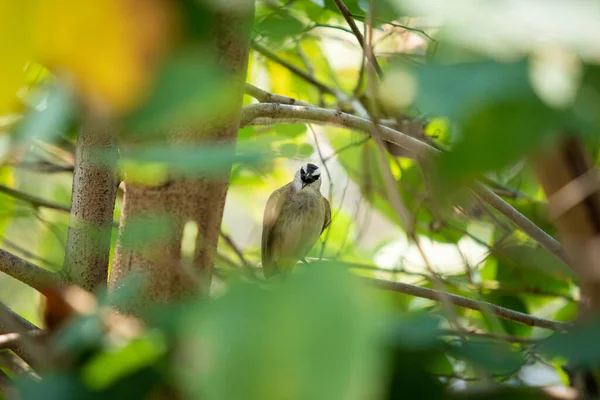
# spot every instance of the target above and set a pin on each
(144, 173)
(107, 50)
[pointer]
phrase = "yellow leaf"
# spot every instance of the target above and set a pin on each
(107, 50)
(17, 46)
(101, 45)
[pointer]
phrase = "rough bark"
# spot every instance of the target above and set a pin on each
(198, 199)
(576, 212)
(28, 273)
(571, 183)
(92, 205)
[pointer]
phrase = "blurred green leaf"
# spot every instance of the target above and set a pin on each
(579, 345)
(189, 89)
(513, 303)
(291, 130)
(568, 313)
(496, 358)
(147, 230)
(499, 133)
(49, 117)
(277, 26)
(288, 150)
(416, 331)
(455, 91)
(192, 160)
(107, 368)
(315, 327)
(534, 269)
(499, 116)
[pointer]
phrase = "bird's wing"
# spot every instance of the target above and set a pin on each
(327, 214)
(272, 210)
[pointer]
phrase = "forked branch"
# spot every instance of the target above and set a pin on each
(272, 113)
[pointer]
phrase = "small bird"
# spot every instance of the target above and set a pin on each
(295, 216)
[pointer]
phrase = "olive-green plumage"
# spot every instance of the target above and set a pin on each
(295, 216)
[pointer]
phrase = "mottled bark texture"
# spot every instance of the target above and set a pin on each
(565, 173)
(571, 183)
(195, 198)
(92, 205)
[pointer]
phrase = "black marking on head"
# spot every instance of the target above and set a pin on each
(311, 168)
(307, 176)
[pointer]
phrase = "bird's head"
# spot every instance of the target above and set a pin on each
(308, 176)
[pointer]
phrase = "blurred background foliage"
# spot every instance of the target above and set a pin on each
(492, 82)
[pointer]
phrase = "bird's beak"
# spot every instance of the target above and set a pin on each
(304, 183)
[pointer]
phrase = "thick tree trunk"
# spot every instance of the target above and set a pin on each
(195, 199)
(571, 183)
(92, 206)
(569, 180)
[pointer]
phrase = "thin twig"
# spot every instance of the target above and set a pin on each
(292, 68)
(28, 254)
(330, 195)
(346, 147)
(464, 302)
(396, 25)
(340, 28)
(34, 201)
(493, 336)
(28, 349)
(368, 51)
(235, 249)
(42, 166)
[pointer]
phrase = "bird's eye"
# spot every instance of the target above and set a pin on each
(316, 177)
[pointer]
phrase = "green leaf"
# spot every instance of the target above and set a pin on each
(192, 160)
(107, 368)
(189, 90)
(498, 115)
(415, 331)
(513, 303)
(568, 313)
(305, 150)
(579, 345)
(269, 341)
(147, 230)
(454, 91)
(533, 269)
(288, 150)
(496, 358)
(51, 117)
(290, 130)
(277, 26)
(497, 134)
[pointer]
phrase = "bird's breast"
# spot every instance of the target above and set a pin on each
(300, 225)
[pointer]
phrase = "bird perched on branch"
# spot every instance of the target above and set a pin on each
(295, 216)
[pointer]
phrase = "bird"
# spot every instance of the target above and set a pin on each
(294, 218)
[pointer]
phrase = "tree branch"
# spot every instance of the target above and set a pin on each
(266, 97)
(464, 302)
(28, 273)
(368, 51)
(272, 113)
(292, 68)
(92, 205)
(27, 348)
(34, 201)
